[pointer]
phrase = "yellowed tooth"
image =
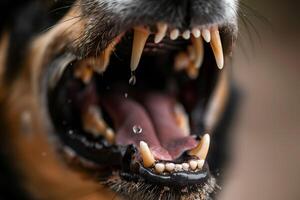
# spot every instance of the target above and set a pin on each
(93, 123)
(200, 164)
(140, 38)
(202, 148)
(192, 71)
(206, 35)
(162, 29)
(147, 156)
(182, 119)
(174, 34)
(101, 63)
(196, 32)
(199, 51)
(84, 72)
(216, 46)
(182, 61)
(186, 34)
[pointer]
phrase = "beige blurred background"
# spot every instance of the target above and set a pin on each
(266, 164)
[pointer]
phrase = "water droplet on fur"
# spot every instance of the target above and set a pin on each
(137, 129)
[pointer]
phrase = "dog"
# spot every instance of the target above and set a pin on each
(114, 99)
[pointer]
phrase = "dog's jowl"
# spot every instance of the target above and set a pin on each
(104, 99)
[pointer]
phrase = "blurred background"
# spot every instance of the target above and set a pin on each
(266, 142)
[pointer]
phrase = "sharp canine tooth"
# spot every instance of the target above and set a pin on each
(139, 41)
(185, 166)
(216, 46)
(159, 167)
(202, 148)
(200, 164)
(193, 164)
(206, 35)
(186, 34)
(147, 156)
(196, 32)
(174, 34)
(199, 51)
(170, 167)
(162, 29)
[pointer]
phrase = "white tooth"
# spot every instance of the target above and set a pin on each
(216, 46)
(196, 32)
(178, 167)
(200, 164)
(185, 166)
(170, 167)
(193, 164)
(199, 51)
(206, 35)
(159, 167)
(162, 29)
(186, 34)
(202, 148)
(182, 119)
(140, 38)
(147, 156)
(174, 34)
(182, 61)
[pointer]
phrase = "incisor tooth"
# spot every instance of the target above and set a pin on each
(186, 34)
(185, 166)
(196, 32)
(162, 29)
(199, 51)
(206, 35)
(174, 34)
(159, 167)
(147, 156)
(178, 167)
(170, 167)
(202, 148)
(139, 40)
(200, 164)
(216, 46)
(193, 164)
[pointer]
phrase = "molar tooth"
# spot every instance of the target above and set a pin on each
(182, 61)
(139, 40)
(159, 167)
(196, 32)
(206, 35)
(182, 119)
(170, 167)
(193, 164)
(200, 164)
(192, 71)
(162, 29)
(185, 166)
(216, 46)
(202, 148)
(186, 34)
(110, 135)
(146, 154)
(174, 34)
(178, 167)
(199, 51)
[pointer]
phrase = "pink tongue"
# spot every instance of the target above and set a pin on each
(154, 115)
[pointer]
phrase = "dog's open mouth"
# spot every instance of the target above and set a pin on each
(137, 110)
